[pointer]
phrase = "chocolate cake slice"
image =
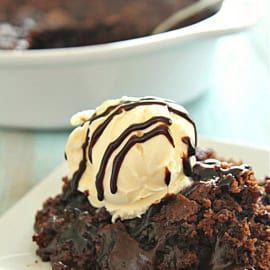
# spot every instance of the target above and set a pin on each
(222, 221)
(142, 196)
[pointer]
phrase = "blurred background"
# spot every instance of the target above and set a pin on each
(233, 106)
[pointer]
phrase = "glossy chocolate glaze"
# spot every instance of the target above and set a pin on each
(191, 148)
(187, 166)
(167, 176)
(78, 174)
(191, 151)
(72, 234)
(212, 169)
(191, 189)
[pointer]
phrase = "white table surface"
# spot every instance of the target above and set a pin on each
(236, 106)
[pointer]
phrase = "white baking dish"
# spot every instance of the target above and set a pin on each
(42, 88)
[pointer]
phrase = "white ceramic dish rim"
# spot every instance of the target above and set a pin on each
(233, 16)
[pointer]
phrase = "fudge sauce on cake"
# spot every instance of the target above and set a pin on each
(178, 212)
(26, 24)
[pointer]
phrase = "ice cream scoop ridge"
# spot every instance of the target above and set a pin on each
(131, 152)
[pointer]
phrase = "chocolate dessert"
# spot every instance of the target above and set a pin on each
(26, 24)
(202, 214)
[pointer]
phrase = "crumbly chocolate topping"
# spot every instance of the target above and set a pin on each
(222, 221)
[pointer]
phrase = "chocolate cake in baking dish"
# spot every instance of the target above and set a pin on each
(26, 24)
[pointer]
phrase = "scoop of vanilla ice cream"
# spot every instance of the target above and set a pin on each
(134, 152)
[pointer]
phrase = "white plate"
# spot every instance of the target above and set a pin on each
(17, 251)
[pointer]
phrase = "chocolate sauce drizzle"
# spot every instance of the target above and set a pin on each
(127, 107)
(187, 166)
(105, 113)
(167, 176)
(159, 130)
(111, 112)
(116, 143)
(191, 151)
(78, 174)
(191, 148)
